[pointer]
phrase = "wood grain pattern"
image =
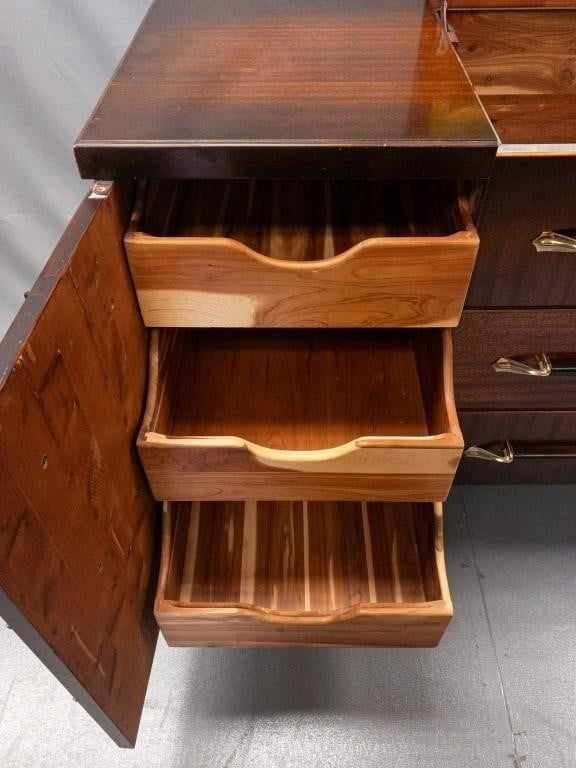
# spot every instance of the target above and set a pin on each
(526, 196)
(252, 411)
(522, 65)
(329, 89)
(302, 573)
(485, 335)
(77, 523)
(290, 254)
(544, 427)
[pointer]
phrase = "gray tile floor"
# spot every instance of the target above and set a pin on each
(500, 691)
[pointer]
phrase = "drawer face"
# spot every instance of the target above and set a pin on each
(485, 336)
(550, 431)
(302, 573)
(308, 414)
(526, 197)
(301, 253)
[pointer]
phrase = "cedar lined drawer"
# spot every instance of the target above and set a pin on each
(301, 253)
(303, 414)
(302, 573)
(486, 336)
(543, 445)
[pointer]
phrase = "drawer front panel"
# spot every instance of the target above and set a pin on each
(486, 336)
(526, 197)
(303, 573)
(549, 431)
(259, 414)
(301, 254)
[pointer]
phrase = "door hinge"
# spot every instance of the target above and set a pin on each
(446, 26)
(100, 189)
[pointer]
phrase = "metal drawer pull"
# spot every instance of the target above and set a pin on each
(504, 453)
(554, 242)
(499, 452)
(539, 364)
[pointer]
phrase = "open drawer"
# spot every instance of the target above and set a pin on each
(288, 253)
(308, 414)
(302, 573)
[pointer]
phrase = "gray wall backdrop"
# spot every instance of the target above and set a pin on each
(55, 58)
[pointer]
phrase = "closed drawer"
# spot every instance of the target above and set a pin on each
(533, 447)
(301, 253)
(528, 90)
(302, 573)
(519, 263)
(486, 336)
(300, 414)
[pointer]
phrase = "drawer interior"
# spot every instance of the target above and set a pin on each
(302, 220)
(301, 390)
(300, 564)
(522, 66)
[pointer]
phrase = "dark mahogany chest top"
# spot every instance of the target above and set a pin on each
(291, 88)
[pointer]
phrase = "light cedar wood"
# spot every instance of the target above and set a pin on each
(78, 529)
(255, 415)
(302, 573)
(522, 66)
(302, 254)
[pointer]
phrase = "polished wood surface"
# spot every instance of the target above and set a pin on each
(302, 412)
(296, 88)
(486, 335)
(551, 428)
(77, 522)
(302, 573)
(526, 196)
(522, 66)
(301, 253)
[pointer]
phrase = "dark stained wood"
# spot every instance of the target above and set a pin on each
(77, 522)
(485, 335)
(527, 196)
(298, 573)
(291, 89)
(522, 65)
(551, 428)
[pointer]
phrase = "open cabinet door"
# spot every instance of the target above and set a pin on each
(78, 527)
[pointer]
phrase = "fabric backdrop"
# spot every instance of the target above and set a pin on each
(55, 58)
